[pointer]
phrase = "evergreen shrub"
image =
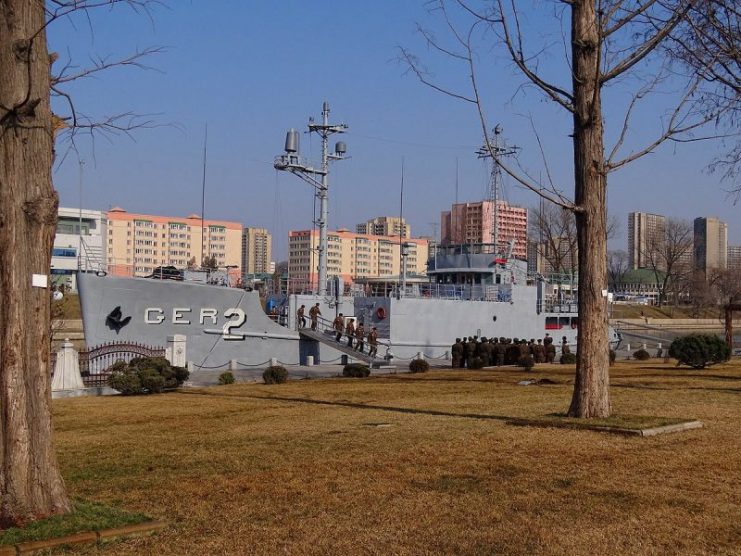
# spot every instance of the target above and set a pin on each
(526, 362)
(145, 375)
(356, 370)
(226, 377)
(641, 355)
(476, 363)
(568, 359)
(419, 366)
(275, 374)
(699, 350)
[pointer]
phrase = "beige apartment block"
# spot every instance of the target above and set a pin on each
(138, 243)
(351, 256)
(385, 226)
(646, 236)
(711, 244)
(256, 250)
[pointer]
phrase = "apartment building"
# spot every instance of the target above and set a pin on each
(710, 244)
(646, 232)
(351, 256)
(78, 240)
(734, 257)
(385, 226)
(256, 250)
(476, 223)
(138, 243)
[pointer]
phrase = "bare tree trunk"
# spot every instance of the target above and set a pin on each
(591, 396)
(31, 485)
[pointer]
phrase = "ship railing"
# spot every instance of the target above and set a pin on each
(570, 307)
(500, 293)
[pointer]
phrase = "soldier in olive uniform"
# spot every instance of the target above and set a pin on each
(550, 349)
(456, 352)
(470, 348)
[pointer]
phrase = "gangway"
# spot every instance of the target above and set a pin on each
(326, 335)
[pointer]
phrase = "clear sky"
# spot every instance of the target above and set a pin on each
(253, 69)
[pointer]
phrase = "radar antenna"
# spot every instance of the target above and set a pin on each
(495, 147)
(293, 163)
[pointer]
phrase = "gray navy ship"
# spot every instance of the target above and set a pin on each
(469, 290)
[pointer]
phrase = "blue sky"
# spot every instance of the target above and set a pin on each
(253, 69)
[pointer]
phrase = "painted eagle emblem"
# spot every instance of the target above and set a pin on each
(114, 320)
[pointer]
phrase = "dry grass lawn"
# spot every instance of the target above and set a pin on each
(414, 464)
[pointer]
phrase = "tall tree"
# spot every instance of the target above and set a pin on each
(669, 256)
(617, 267)
(609, 42)
(31, 485)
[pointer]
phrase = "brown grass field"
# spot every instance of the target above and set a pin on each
(414, 464)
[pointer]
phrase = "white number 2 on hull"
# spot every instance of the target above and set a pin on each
(239, 319)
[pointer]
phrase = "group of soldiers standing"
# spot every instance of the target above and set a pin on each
(504, 351)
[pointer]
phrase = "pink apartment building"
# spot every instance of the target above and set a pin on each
(474, 223)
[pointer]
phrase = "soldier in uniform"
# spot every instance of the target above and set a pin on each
(464, 357)
(350, 331)
(373, 342)
(485, 351)
(550, 349)
(539, 352)
(456, 353)
(338, 324)
(300, 315)
(499, 351)
(360, 337)
(314, 313)
(470, 350)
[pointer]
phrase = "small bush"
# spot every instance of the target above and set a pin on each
(641, 355)
(275, 374)
(613, 356)
(356, 370)
(568, 359)
(699, 350)
(226, 378)
(476, 363)
(419, 366)
(526, 362)
(145, 375)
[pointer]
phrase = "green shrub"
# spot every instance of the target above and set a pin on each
(275, 374)
(613, 356)
(526, 362)
(641, 355)
(476, 363)
(151, 380)
(226, 378)
(419, 366)
(125, 381)
(356, 370)
(699, 350)
(145, 375)
(568, 359)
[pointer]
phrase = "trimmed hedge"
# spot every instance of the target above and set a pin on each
(356, 370)
(641, 355)
(419, 366)
(275, 374)
(699, 350)
(146, 375)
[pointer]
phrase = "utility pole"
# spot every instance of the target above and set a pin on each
(495, 148)
(292, 162)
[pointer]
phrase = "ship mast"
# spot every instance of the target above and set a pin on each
(495, 147)
(292, 162)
